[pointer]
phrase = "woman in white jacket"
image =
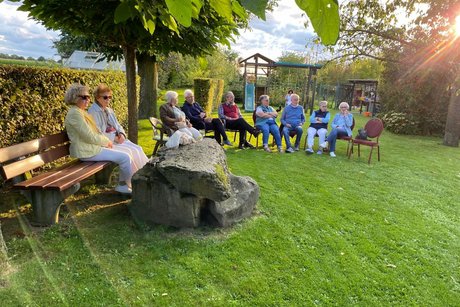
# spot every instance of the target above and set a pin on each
(108, 124)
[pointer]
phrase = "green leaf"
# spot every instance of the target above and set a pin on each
(196, 8)
(257, 7)
(122, 12)
(150, 26)
(181, 10)
(324, 17)
(223, 8)
(240, 11)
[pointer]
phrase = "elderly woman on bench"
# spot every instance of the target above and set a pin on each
(108, 124)
(87, 142)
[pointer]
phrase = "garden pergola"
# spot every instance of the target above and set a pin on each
(258, 65)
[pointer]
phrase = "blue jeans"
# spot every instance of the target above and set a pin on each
(267, 128)
(287, 130)
(332, 137)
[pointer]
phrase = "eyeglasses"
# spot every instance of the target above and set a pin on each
(85, 97)
(343, 107)
(107, 97)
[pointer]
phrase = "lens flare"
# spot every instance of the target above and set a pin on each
(457, 26)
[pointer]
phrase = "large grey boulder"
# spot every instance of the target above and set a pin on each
(190, 186)
(245, 193)
(199, 169)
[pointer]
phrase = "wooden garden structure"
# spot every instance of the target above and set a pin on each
(258, 65)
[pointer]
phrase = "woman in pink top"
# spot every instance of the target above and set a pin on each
(231, 116)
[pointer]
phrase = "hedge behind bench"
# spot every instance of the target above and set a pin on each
(32, 99)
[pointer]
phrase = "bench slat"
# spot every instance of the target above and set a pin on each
(63, 178)
(21, 166)
(26, 148)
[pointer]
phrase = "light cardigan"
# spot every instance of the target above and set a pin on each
(102, 120)
(85, 139)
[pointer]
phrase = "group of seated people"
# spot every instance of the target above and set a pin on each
(292, 120)
(96, 134)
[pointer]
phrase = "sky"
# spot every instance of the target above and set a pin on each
(283, 30)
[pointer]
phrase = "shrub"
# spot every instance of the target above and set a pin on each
(208, 92)
(400, 123)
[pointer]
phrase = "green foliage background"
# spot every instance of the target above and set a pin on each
(414, 99)
(32, 99)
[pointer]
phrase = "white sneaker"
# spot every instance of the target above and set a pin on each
(332, 154)
(289, 150)
(309, 151)
(280, 149)
(319, 152)
(324, 145)
(123, 189)
(297, 148)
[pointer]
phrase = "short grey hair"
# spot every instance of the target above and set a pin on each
(323, 102)
(294, 96)
(187, 93)
(262, 97)
(229, 93)
(344, 104)
(72, 93)
(170, 95)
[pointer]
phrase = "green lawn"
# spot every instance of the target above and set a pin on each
(326, 232)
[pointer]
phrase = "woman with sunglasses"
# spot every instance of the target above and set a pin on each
(108, 124)
(87, 142)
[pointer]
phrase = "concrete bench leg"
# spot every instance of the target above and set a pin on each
(46, 204)
(104, 175)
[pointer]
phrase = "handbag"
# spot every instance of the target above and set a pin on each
(362, 134)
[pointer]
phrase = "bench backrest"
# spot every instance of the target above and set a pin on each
(21, 158)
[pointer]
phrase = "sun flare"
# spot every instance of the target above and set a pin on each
(457, 26)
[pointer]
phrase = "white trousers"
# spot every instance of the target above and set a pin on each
(135, 151)
(311, 132)
(192, 132)
(121, 158)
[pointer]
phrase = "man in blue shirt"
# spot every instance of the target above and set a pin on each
(293, 118)
(200, 120)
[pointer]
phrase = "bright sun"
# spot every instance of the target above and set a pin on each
(457, 26)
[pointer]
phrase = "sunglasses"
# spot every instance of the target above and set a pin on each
(106, 97)
(85, 97)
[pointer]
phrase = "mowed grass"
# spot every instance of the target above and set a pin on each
(326, 232)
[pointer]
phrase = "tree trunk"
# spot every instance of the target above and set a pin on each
(452, 132)
(148, 72)
(130, 63)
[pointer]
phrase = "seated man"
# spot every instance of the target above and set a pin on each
(293, 118)
(318, 125)
(200, 120)
(231, 115)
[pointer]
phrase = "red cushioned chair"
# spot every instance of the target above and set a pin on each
(374, 129)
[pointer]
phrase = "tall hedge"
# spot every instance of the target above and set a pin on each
(218, 93)
(208, 92)
(32, 99)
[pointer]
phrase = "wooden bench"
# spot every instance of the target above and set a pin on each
(47, 191)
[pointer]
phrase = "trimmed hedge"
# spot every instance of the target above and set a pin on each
(32, 99)
(208, 92)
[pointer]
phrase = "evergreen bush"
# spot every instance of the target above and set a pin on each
(208, 92)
